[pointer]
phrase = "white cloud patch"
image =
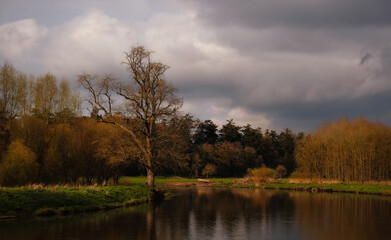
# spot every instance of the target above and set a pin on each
(20, 38)
(209, 108)
(93, 42)
(188, 47)
(219, 110)
(243, 117)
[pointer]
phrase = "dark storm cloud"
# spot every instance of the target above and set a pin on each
(298, 14)
(309, 115)
(365, 58)
(254, 27)
(205, 90)
(316, 60)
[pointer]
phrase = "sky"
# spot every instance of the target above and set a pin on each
(273, 64)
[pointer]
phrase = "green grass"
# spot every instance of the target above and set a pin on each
(166, 180)
(279, 184)
(336, 187)
(158, 180)
(224, 181)
(64, 200)
(50, 200)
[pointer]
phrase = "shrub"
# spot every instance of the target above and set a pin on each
(262, 174)
(280, 171)
(18, 167)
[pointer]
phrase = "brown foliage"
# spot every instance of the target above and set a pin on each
(229, 157)
(18, 167)
(209, 169)
(259, 175)
(280, 171)
(347, 151)
(12, 92)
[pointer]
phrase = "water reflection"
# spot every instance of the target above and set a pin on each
(206, 213)
(114, 224)
(335, 216)
(227, 214)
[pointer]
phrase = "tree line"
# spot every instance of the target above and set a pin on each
(346, 150)
(135, 127)
(232, 150)
(46, 139)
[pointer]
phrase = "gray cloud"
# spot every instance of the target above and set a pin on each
(298, 14)
(308, 115)
(365, 58)
(273, 64)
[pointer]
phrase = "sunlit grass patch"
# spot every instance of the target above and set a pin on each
(336, 186)
(46, 200)
(161, 180)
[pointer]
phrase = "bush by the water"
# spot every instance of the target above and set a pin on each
(259, 175)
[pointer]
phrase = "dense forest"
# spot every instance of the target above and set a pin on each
(46, 137)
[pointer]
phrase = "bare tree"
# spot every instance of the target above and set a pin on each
(12, 92)
(45, 97)
(147, 99)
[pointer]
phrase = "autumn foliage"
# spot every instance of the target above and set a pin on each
(346, 150)
(47, 136)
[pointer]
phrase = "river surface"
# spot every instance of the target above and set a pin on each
(207, 213)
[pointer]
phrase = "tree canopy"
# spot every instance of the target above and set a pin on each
(148, 98)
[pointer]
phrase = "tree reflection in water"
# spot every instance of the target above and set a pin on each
(206, 213)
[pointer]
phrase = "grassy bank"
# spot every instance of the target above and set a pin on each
(162, 181)
(40, 201)
(367, 188)
(64, 200)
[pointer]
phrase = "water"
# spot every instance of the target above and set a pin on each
(206, 213)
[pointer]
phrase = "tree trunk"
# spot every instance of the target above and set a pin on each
(150, 178)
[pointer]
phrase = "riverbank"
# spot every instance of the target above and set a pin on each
(62, 200)
(359, 188)
(282, 184)
(46, 201)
